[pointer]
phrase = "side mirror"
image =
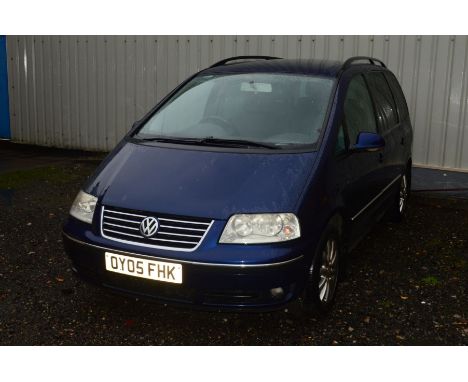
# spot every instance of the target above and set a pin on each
(368, 142)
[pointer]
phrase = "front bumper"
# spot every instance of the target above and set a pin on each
(230, 286)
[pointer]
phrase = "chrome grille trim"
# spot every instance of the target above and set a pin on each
(122, 220)
(173, 241)
(126, 213)
(191, 229)
(179, 234)
(110, 230)
(121, 226)
(121, 233)
(182, 221)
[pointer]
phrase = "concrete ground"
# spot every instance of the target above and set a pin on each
(406, 282)
(440, 183)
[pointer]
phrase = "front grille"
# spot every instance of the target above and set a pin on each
(174, 232)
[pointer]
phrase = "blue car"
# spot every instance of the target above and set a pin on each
(247, 186)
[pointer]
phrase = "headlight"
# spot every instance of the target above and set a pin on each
(260, 228)
(83, 207)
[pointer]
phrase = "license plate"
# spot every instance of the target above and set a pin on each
(144, 268)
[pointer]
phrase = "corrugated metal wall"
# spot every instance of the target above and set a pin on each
(86, 91)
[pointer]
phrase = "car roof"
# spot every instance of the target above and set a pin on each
(281, 65)
(324, 68)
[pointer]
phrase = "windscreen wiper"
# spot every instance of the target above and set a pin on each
(236, 143)
(192, 141)
(210, 141)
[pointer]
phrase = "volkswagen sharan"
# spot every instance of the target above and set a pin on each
(247, 186)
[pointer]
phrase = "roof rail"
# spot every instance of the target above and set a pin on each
(371, 60)
(226, 60)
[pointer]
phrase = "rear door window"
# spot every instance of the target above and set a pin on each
(358, 109)
(385, 103)
(399, 96)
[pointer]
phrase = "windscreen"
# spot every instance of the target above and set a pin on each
(278, 109)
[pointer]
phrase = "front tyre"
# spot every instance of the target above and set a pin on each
(321, 285)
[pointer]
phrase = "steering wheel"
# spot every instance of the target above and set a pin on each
(214, 119)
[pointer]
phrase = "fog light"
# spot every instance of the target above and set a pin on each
(277, 292)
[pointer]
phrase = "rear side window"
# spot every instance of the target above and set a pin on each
(340, 146)
(385, 103)
(358, 109)
(399, 96)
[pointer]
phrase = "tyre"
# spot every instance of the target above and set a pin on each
(399, 204)
(319, 293)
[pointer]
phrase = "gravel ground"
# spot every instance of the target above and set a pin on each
(407, 283)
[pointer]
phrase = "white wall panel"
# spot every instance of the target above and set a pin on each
(86, 91)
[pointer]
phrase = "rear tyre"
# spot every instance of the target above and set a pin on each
(319, 293)
(399, 205)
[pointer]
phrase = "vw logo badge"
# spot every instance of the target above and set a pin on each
(149, 226)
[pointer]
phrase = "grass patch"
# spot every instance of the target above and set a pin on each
(48, 174)
(463, 264)
(434, 243)
(386, 303)
(430, 280)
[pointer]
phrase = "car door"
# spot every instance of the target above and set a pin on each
(405, 135)
(359, 173)
(388, 125)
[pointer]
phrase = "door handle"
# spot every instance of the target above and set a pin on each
(380, 157)
(402, 141)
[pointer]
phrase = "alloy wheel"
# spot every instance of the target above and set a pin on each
(328, 271)
(403, 193)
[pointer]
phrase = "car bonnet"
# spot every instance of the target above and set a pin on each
(188, 181)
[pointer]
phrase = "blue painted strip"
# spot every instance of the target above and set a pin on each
(4, 103)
